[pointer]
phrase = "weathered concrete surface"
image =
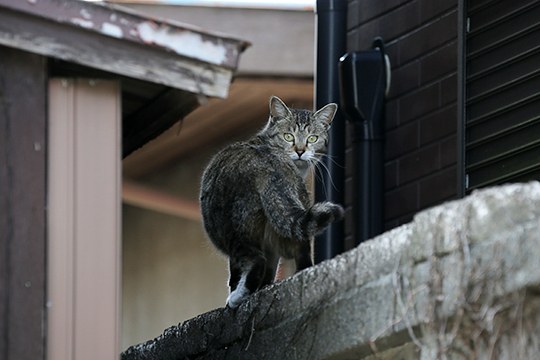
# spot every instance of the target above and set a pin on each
(460, 281)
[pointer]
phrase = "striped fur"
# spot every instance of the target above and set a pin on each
(255, 204)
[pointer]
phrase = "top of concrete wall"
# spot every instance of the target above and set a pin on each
(470, 260)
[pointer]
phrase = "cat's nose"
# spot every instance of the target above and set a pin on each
(300, 152)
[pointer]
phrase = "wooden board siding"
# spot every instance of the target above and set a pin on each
(502, 93)
(421, 109)
(22, 204)
(84, 219)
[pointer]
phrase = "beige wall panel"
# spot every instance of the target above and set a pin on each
(60, 219)
(84, 215)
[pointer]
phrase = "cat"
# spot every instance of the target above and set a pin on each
(254, 199)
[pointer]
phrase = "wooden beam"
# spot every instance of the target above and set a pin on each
(147, 198)
(23, 169)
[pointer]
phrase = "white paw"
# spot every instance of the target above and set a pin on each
(236, 297)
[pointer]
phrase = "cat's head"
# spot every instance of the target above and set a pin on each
(302, 134)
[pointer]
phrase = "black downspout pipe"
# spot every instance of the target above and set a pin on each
(364, 77)
(330, 185)
(368, 175)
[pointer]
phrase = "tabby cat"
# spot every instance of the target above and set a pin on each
(254, 199)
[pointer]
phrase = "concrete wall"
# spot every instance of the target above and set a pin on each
(459, 282)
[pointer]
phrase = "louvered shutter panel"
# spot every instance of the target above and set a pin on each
(502, 141)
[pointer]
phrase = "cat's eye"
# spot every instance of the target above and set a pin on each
(288, 137)
(312, 138)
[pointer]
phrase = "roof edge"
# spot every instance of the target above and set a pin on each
(118, 22)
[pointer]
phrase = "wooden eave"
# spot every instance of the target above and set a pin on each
(120, 41)
(242, 114)
(164, 67)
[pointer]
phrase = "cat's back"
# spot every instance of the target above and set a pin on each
(230, 200)
(239, 161)
(237, 173)
(242, 165)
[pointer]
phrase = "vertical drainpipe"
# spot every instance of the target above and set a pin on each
(365, 80)
(331, 28)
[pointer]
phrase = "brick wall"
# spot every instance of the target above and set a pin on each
(421, 112)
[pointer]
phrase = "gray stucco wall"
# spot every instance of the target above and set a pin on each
(460, 281)
(171, 272)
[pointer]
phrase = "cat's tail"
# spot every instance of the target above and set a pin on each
(317, 218)
(290, 218)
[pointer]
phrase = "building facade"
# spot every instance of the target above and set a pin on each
(463, 111)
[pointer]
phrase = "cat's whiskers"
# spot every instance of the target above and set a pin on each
(318, 163)
(331, 159)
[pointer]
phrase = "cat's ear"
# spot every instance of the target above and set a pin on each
(326, 113)
(278, 109)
